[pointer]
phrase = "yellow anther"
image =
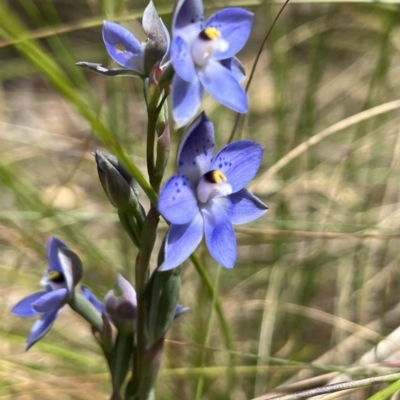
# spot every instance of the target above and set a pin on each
(215, 176)
(53, 276)
(212, 33)
(120, 48)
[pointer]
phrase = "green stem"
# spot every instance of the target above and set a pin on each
(81, 306)
(142, 275)
(211, 291)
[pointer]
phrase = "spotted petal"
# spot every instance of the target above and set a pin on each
(182, 241)
(188, 18)
(24, 307)
(196, 149)
(239, 161)
(50, 301)
(178, 195)
(130, 55)
(41, 327)
(234, 24)
(186, 99)
(223, 86)
(182, 60)
(243, 207)
(220, 236)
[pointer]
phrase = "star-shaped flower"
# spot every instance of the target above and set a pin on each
(202, 54)
(207, 195)
(65, 271)
(137, 58)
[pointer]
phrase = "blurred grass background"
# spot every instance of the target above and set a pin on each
(315, 287)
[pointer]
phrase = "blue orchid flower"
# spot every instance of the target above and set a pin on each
(207, 195)
(65, 271)
(202, 54)
(126, 50)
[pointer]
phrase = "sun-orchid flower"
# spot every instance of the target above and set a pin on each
(202, 54)
(126, 50)
(207, 195)
(65, 271)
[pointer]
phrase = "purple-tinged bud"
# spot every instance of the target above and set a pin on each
(122, 308)
(157, 45)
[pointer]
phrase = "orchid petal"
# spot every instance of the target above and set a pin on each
(196, 149)
(239, 162)
(243, 207)
(93, 300)
(188, 18)
(182, 241)
(127, 289)
(177, 193)
(236, 67)
(53, 245)
(50, 301)
(234, 24)
(223, 86)
(186, 99)
(24, 307)
(219, 233)
(182, 61)
(131, 56)
(41, 327)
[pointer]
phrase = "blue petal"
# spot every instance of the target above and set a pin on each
(243, 207)
(52, 253)
(186, 99)
(24, 307)
(180, 310)
(94, 301)
(235, 27)
(182, 59)
(41, 327)
(223, 86)
(188, 17)
(196, 149)
(182, 241)
(239, 161)
(220, 236)
(50, 301)
(178, 195)
(131, 54)
(236, 67)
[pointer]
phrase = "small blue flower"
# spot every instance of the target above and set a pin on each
(126, 50)
(65, 271)
(202, 54)
(207, 195)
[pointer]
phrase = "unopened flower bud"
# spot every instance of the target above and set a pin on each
(120, 188)
(122, 309)
(157, 44)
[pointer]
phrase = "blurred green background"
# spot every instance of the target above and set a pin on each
(315, 287)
